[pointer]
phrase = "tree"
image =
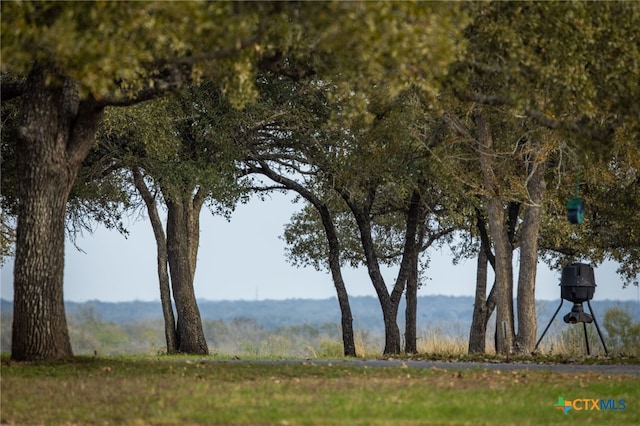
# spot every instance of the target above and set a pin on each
(276, 130)
(386, 193)
(333, 257)
(540, 66)
(8, 180)
(180, 151)
(69, 81)
(156, 48)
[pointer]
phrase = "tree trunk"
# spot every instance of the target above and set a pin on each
(478, 332)
(389, 309)
(391, 331)
(392, 341)
(56, 132)
(500, 236)
(527, 324)
(170, 332)
(504, 279)
(348, 339)
(411, 310)
(409, 271)
(183, 235)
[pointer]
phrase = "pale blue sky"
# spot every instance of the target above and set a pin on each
(245, 259)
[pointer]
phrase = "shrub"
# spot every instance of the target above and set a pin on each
(623, 333)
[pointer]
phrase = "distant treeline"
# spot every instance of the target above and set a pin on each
(433, 311)
(304, 327)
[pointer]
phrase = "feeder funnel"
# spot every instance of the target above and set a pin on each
(577, 315)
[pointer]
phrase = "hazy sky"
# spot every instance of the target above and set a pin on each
(245, 259)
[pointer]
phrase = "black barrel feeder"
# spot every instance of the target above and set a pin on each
(577, 285)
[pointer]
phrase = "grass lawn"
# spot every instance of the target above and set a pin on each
(172, 391)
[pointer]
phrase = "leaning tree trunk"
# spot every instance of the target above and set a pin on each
(56, 132)
(348, 339)
(392, 341)
(334, 252)
(478, 332)
(483, 305)
(527, 324)
(183, 235)
(170, 332)
(389, 308)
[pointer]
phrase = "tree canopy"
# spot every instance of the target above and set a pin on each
(353, 97)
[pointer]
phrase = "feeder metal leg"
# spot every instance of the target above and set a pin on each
(598, 328)
(548, 325)
(586, 338)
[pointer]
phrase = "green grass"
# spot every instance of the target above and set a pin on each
(183, 390)
(616, 359)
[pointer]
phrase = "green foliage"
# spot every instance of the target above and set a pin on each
(561, 59)
(143, 38)
(382, 161)
(399, 44)
(623, 332)
(557, 74)
(150, 41)
(7, 238)
(8, 177)
(610, 187)
(183, 143)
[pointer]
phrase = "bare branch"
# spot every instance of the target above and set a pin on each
(458, 126)
(434, 237)
(269, 188)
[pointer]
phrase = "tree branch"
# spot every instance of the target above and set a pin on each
(11, 89)
(143, 95)
(434, 237)
(220, 53)
(458, 126)
(491, 100)
(580, 127)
